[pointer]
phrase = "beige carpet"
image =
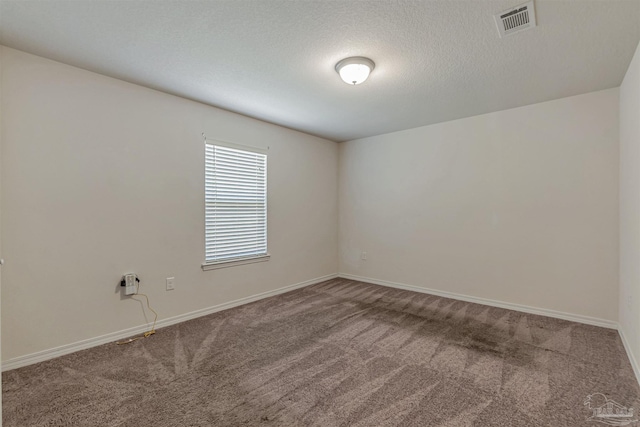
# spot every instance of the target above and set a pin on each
(339, 353)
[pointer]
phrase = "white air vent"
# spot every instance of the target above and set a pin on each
(516, 19)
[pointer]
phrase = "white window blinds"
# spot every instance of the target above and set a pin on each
(235, 204)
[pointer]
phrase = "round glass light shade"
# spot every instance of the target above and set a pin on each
(355, 70)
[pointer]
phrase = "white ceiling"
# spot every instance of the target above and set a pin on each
(274, 60)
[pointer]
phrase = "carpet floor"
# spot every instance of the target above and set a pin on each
(339, 353)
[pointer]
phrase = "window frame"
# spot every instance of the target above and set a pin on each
(250, 259)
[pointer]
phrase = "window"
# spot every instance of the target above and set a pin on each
(235, 206)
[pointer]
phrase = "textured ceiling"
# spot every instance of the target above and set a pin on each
(274, 60)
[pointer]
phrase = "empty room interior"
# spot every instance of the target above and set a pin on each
(320, 213)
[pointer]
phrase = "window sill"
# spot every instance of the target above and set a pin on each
(234, 262)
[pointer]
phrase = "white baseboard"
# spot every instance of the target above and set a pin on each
(494, 303)
(510, 306)
(41, 356)
(632, 357)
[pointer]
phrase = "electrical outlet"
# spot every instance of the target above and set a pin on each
(129, 284)
(171, 283)
(363, 256)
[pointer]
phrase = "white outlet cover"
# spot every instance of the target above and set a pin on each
(171, 283)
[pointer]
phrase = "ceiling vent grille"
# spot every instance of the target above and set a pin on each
(516, 19)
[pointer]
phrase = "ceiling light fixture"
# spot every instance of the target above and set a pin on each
(355, 70)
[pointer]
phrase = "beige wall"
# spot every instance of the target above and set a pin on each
(518, 206)
(1, 133)
(101, 177)
(630, 205)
